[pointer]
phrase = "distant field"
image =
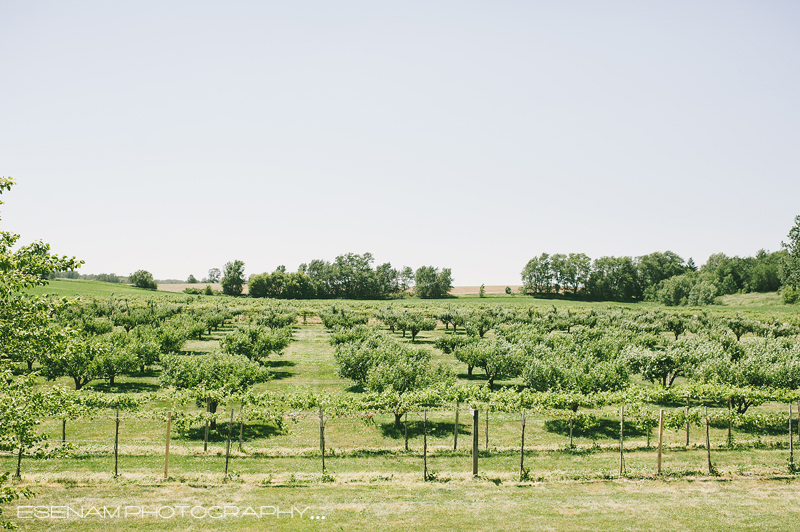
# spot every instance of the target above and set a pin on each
(180, 287)
(75, 287)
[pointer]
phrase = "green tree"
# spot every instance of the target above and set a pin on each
(432, 283)
(256, 342)
(192, 279)
(26, 330)
(415, 323)
(406, 278)
(142, 279)
(214, 275)
(233, 278)
(380, 364)
(23, 405)
(792, 260)
(211, 377)
(77, 358)
(496, 357)
(537, 276)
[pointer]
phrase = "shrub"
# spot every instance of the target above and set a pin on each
(790, 295)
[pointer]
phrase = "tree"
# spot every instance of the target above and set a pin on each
(214, 275)
(256, 342)
(792, 260)
(537, 275)
(496, 357)
(22, 407)
(380, 364)
(143, 279)
(211, 377)
(415, 323)
(192, 279)
(233, 278)
(614, 279)
(662, 366)
(406, 278)
(508, 290)
(26, 330)
(432, 283)
(77, 359)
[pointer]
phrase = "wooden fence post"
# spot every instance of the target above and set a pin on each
(487, 428)
(522, 451)
(791, 442)
(571, 424)
(116, 445)
(322, 436)
(660, 438)
(708, 446)
(730, 414)
(64, 430)
(241, 428)
(474, 412)
(621, 440)
(166, 452)
(687, 421)
(425, 444)
(228, 444)
(205, 439)
(455, 430)
(405, 425)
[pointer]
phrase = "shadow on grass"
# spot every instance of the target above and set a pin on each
(278, 375)
(251, 432)
(123, 387)
(602, 429)
(435, 428)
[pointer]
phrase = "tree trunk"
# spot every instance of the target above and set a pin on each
(30, 365)
(212, 409)
(469, 371)
(398, 419)
(111, 380)
(78, 383)
(19, 464)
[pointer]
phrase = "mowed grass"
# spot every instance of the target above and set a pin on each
(390, 504)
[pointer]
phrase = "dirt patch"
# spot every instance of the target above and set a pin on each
(180, 287)
(498, 289)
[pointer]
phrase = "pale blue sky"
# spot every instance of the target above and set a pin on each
(177, 136)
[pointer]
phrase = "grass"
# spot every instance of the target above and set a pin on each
(395, 504)
(377, 484)
(77, 288)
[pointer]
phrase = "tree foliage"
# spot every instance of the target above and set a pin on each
(233, 278)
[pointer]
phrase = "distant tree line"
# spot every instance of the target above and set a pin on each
(102, 277)
(661, 276)
(350, 276)
(665, 277)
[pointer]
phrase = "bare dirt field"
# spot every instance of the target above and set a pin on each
(464, 290)
(456, 291)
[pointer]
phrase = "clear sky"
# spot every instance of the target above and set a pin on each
(177, 136)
